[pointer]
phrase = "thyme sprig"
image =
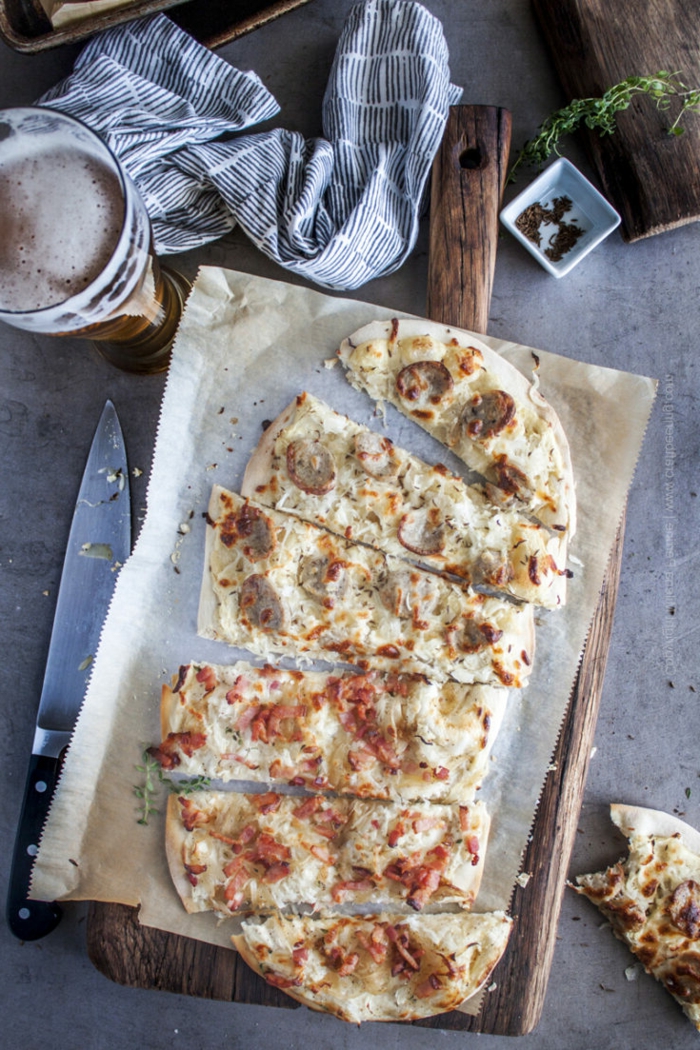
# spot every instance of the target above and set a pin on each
(600, 113)
(153, 780)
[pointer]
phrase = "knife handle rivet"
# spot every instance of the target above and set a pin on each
(24, 913)
(40, 786)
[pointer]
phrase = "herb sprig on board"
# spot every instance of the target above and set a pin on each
(600, 113)
(149, 789)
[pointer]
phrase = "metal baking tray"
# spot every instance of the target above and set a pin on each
(25, 27)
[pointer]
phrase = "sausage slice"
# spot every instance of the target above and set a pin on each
(425, 384)
(422, 531)
(325, 579)
(311, 466)
(259, 603)
(470, 636)
(376, 454)
(252, 529)
(487, 414)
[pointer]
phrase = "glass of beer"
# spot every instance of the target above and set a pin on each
(76, 253)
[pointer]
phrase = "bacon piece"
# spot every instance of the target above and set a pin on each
(349, 964)
(167, 752)
(267, 802)
(397, 832)
(276, 872)
(341, 890)
(207, 677)
(246, 717)
(191, 816)
(277, 981)
(300, 955)
(375, 944)
(181, 676)
(270, 851)
(238, 689)
(282, 712)
(307, 808)
(428, 987)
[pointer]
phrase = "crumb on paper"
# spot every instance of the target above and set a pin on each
(117, 565)
(593, 751)
(632, 973)
(492, 987)
(233, 420)
(552, 767)
(175, 557)
(45, 593)
(330, 362)
(183, 528)
(137, 472)
(523, 878)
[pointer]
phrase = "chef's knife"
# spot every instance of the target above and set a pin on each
(99, 542)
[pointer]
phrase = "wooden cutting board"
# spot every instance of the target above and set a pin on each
(468, 180)
(651, 177)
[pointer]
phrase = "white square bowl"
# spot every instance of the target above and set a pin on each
(589, 211)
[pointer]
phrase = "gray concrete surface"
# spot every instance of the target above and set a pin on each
(633, 307)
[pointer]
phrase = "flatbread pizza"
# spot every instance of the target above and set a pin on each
(376, 968)
(231, 852)
(474, 402)
(320, 465)
(275, 584)
(652, 899)
(373, 735)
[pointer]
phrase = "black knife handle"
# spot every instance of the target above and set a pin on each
(30, 920)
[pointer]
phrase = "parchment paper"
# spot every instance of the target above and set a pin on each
(246, 347)
(63, 14)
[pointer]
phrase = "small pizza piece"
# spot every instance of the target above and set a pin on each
(320, 596)
(376, 967)
(381, 495)
(652, 899)
(231, 852)
(374, 735)
(477, 404)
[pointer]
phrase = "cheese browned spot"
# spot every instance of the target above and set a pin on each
(652, 899)
(251, 529)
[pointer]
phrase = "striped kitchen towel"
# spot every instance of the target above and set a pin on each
(338, 210)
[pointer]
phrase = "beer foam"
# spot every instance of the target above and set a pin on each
(61, 214)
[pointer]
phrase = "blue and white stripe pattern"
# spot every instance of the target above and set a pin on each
(339, 210)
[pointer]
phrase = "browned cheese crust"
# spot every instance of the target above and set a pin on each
(652, 899)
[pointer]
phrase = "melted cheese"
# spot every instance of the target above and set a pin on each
(323, 868)
(345, 735)
(359, 625)
(478, 537)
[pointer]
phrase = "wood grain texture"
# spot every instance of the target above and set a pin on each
(651, 177)
(469, 173)
(137, 956)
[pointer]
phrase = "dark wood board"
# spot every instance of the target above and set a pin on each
(469, 175)
(652, 178)
(25, 27)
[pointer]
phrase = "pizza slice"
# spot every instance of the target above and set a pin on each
(652, 899)
(276, 584)
(374, 735)
(320, 465)
(232, 852)
(475, 402)
(376, 967)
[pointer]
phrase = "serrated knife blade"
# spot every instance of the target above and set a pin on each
(98, 544)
